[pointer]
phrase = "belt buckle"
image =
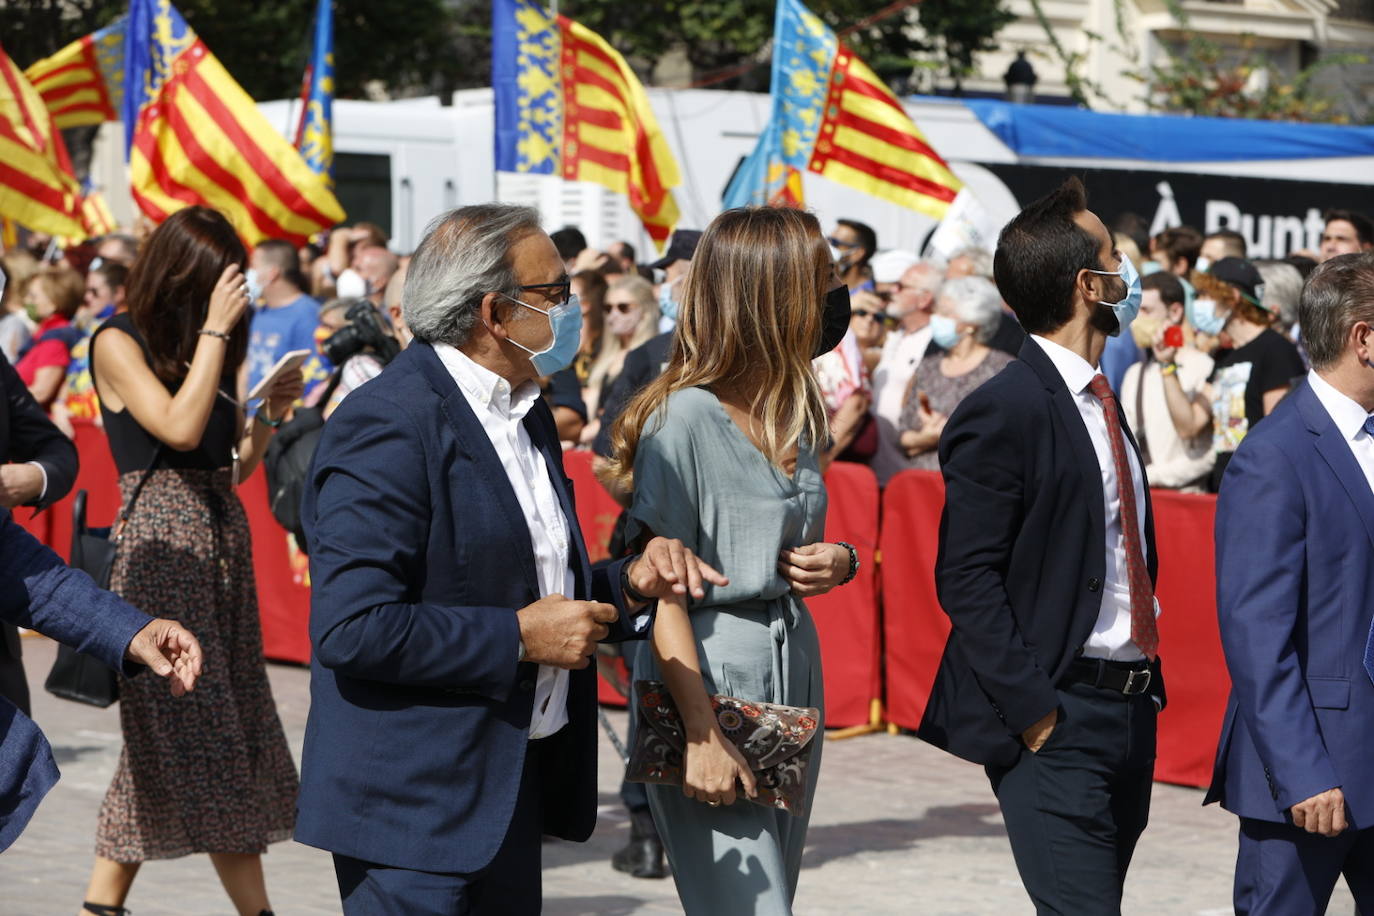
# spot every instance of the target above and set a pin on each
(1144, 676)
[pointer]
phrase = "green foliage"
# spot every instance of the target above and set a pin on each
(959, 29)
(1203, 78)
(265, 46)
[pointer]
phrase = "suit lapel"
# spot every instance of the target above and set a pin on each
(473, 442)
(1339, 458)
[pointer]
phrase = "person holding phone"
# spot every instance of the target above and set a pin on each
(1164, 396)
(215, 774)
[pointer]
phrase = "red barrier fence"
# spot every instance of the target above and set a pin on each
(859, 628)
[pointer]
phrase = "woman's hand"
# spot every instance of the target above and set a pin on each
(814, 569)
(712, 769)
(228, 301)
(284, 392)
(932, 422)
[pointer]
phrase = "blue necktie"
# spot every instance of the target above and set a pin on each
(1369, 646)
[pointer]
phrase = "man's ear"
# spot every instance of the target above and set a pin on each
(1176, 312)
(493, 312)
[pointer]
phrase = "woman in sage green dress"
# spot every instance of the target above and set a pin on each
(721, 452)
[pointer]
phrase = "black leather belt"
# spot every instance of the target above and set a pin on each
(1130, 678)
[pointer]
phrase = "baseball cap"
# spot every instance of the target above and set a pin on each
(1244, 276)
(888, 266)
(680, 248)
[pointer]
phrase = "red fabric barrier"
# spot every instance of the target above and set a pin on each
(914, 627)
(1195, 671)
(1189, 639)
(283, 595)
(847, 618)
(596, 515)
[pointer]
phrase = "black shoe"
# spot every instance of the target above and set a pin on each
(642, 856)
(101, 909)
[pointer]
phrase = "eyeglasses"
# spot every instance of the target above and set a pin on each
(838, 243)
(880, 317)
(621, 307)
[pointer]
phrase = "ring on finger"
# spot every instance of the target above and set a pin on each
(713, 803)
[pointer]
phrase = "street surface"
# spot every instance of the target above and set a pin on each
(899, 827)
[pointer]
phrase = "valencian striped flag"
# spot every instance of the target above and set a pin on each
(315, 131)
(84, 82)
(195, 137)
(833, 116)
(567, 104)
(37, 186)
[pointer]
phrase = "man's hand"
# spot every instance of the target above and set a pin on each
(1323, 813)
(667, 568)
(562, 632)
(1036, 736)
(171, 651)
(19, 484)
(814, 569)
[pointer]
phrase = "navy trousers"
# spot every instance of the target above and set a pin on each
(510, 885)
(1075, 809)
(1282, 870)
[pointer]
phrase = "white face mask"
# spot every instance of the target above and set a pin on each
(351, 285)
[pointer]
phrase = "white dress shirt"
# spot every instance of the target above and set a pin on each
(1111, 635)
(500, 411)
(902, 353)
(1349, 418)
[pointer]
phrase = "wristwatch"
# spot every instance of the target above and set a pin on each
(630, 591)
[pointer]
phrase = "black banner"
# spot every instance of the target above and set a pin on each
(1276, 216)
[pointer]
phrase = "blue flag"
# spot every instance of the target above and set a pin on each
(315, 132)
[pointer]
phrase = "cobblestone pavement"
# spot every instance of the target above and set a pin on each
(898, 828)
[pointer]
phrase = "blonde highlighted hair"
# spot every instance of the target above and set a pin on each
(749, 322)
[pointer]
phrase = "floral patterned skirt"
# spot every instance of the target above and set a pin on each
(210, 771)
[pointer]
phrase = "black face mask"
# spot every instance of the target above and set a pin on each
(834, 320)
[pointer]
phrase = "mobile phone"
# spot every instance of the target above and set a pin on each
(1173, 336)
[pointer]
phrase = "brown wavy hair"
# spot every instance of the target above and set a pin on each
(170, 284)
(749, 321)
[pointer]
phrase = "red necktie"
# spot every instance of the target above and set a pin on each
(1143, 631)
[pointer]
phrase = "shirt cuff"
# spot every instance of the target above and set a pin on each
(44, 471)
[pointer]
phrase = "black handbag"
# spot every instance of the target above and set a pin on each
(74, 675)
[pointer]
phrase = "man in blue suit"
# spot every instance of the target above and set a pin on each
(1295, 592)
(38, 591)
(453, 712)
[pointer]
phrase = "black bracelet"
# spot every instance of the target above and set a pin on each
(853, 562)
(630, 591)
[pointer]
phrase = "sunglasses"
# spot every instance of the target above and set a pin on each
(880, 317)
(556, 292)
(621, 307)
(839, 244)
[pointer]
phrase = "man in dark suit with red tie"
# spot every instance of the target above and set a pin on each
(1046, 568)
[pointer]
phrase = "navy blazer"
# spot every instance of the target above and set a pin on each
(26, 434)
(1021, 560)
(38, 591)
(419, 558)
(1295, 594)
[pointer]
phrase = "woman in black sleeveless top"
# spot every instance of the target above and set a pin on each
(210, 773)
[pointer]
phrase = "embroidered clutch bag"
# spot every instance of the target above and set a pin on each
(774, 740)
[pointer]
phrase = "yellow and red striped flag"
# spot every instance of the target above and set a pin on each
(568, 104)
(833, 116)
(37, 186)
(84, 82)
(195, 137)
